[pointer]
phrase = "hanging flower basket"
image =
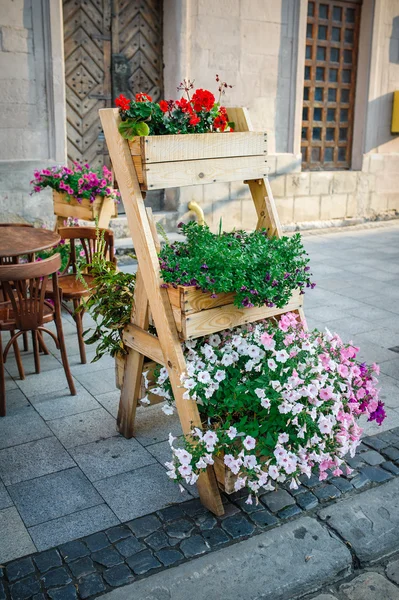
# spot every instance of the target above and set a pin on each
(67, 206)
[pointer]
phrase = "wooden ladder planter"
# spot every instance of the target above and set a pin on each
(156, 162)
(103, 209)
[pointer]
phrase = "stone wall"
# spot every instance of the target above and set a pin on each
(32, 103)
(258, 47)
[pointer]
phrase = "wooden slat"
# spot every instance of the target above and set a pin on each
(103, 208)
(143, 342)
(226, 317)
(197, 172)
(171, 148)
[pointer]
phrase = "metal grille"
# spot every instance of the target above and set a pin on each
(330, 81)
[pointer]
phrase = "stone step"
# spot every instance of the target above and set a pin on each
(124, 246)
(167, 218)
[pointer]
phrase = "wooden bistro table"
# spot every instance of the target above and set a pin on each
(17, 241)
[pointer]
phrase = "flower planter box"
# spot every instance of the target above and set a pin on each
(103, 208)
(165, 161)
(149, 367)
(225, 478)
(197, 314)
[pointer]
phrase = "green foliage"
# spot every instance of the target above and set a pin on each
(258, 269)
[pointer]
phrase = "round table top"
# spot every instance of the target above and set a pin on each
(15, 241)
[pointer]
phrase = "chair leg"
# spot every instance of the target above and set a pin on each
(18, 357)
(64, 357)
(2, 384)
(25, 338)
(36, 351)
(78, 316)
(42, 345)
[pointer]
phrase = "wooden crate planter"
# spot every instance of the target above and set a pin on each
(156, 162)
(225, 478)
(149, 367)
(103, 209)
(165, 161)
(197, 314)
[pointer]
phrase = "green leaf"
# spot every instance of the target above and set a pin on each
(142, 129)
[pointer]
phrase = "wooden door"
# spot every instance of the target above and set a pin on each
(111, 46)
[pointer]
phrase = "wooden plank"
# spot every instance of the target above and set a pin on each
(171, 148)
(227, 317)
(190, 300)
(198, 172)
(241, 119)
(143, 342)
(133, 364)
(158, 297)
(103, 208)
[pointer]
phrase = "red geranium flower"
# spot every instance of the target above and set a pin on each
(194, 120)
(203, 100)
(143, 97)
(122, 102)
(184, 106)
(163, 105)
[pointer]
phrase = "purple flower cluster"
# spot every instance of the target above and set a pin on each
(80, 182)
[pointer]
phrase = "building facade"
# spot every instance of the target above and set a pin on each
(317, 75)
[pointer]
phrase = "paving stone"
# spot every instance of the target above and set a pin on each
(249, 508)
(325, 597)
(67, 592)
(152, 426)
(193, 546)
(82, 566)
(310, 482)
(362, 448)
(277, 500)
(157, 540)
(369, 586)
(19, 569)
(391, 453)
(360, 481)
(230, 509)
(301, 489)
(171, 513)
(375, 442)
(71, 527)
(264, 553)
(264, 518)
(56, 578)
(391, 467)
(15, 540)
(40, 500)
(47, 560)
(91, 585)
(179, 529)
(390, 436)
(5, 500)
(73, 550)
(32, 460)
(130, 494)
(205, 522)
(107, 557)
(343, 484)
(145, 525)
(55, 406)
(289, 512)
(105, 458)
(217, 537)
(368, 521)
(326, 492)
(25, 588)
(307, 501)
(143, 562)
(194, 507)
(2, 591)
(117, 533)
(237, 526)
(392, 571)
(376, 474)
(356, 462)
(118, 575)
(169, 556)
(129, 546)
(96, 541)
(25, 426)
(372, 457)
(84, 428)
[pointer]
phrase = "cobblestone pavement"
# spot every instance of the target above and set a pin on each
(65, 473)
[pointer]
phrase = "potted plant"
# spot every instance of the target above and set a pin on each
(277, 402)
(190, 140)
(79, 192)
(232, 278)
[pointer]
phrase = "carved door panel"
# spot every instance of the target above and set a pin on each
(111, 46)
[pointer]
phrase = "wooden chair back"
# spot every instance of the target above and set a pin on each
(90, 242)
(25, 285)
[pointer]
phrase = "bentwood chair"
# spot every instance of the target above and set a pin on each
(26, 309)
(89, 240)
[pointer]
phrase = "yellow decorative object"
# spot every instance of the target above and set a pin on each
(195, 208)
(395, 113)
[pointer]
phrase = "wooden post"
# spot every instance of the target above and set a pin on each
(158, 297)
